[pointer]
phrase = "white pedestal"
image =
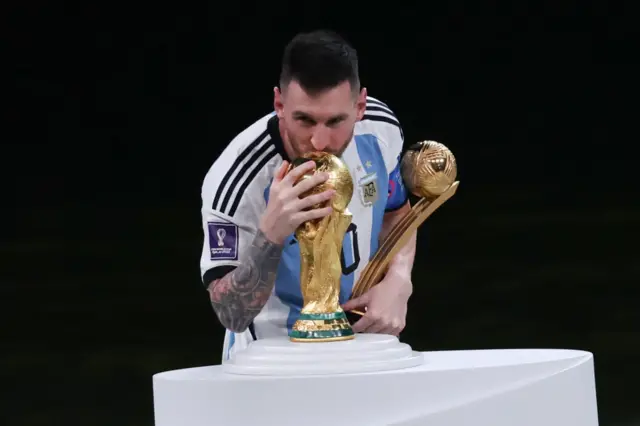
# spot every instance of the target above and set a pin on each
(366, 353)
(370, 381)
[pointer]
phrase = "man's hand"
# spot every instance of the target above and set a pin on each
(385, 304)
(285, 209)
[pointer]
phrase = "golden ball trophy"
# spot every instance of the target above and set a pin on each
(429, 171)
(321, 318)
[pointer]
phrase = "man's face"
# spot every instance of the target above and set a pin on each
(318, 122)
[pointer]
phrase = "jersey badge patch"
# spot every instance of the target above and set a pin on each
(223, 241)
(368, 189)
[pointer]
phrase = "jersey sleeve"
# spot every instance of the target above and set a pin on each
(391, 137)
(398, 195)
(227, 232)
(225, 239)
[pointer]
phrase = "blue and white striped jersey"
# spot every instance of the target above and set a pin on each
(235, 193)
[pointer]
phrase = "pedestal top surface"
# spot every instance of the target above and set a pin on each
(433, 361)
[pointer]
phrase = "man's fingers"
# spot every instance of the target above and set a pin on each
(397, 327)
(377, 323)
(377, 327)
(312, 182)
(357, 303)
(304, 216)
(381, 325)
(297, 172)
(282, 171)
(314, 199)
(362, 324)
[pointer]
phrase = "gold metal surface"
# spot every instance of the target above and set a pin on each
(320, 247)
(429, 171)
(339, 178)
(320, 325)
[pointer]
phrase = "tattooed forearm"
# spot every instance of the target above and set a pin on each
(240, 295)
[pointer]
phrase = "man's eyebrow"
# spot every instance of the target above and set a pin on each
(301, 114)
(338, 117)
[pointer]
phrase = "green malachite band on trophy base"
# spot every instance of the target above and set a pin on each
(321, 317)
(311, 335)
(328, 319)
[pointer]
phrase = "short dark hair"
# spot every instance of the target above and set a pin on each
(319, 60)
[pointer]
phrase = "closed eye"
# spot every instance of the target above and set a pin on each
(335, 121)
(309, 121)
(306, 120)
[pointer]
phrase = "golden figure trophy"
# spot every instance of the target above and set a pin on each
(429, 171)
(321, 318)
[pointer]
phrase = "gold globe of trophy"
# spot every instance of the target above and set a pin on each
(321, 318)
(429, 171)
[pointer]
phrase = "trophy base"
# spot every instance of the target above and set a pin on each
(321, 328)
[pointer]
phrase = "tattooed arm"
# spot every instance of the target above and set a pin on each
(239, 296)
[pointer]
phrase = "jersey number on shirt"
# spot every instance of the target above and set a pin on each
(346, 270)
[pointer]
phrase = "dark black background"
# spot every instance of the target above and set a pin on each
(120, 109)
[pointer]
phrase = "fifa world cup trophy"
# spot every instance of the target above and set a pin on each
(429, 170)
(321, 318)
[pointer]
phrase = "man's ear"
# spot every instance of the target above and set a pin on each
(361, 103)
(278, 105)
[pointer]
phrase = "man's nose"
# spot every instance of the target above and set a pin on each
(320, 139)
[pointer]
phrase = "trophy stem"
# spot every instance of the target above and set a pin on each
(398, 236)
(321, 318)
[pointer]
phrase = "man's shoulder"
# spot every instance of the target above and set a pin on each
(381, 121)
(249, 144)
(251, 136)
(244, 167)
